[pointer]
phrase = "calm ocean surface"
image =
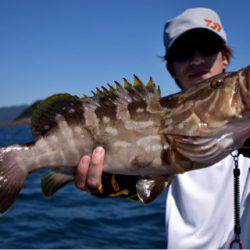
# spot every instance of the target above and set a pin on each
(74, 219)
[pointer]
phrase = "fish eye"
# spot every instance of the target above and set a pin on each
(216, 83)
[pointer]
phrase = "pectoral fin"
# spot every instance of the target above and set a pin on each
(149, 188)
(53, 181)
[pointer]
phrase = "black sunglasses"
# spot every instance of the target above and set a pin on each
(182, 54)
(205, 42)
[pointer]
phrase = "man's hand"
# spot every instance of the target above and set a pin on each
(89, 170)
(91, 178)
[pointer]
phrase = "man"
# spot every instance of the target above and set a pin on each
(199, 208)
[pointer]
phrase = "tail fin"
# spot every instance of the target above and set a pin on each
(12, 176)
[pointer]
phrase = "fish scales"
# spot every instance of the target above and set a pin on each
(119, 128)
(143, 133)
(123, 132)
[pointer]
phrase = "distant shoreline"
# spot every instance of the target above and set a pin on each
(19, 122)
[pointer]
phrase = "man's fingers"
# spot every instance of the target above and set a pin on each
(96, 167)
(89, 170)
(82, 171)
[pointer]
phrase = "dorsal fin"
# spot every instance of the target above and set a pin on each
(137, 91)
(118, 86)
(127, 84)
(98, 91)
(44, 116)
(105, 91)
(150, 84)
(132, 91)
(111, 88)
(138, 85)
(72, 107)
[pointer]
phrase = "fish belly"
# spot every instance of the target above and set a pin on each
(136, 156)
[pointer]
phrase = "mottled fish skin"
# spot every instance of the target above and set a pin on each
(143, 133)
(136, 130)
(127, 127)
(212, 110)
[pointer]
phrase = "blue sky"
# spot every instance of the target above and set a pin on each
(52, 46)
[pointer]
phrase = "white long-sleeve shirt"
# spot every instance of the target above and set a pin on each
(200, 206)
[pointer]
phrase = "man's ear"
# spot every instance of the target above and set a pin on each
(225, 62)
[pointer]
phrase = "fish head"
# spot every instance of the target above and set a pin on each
(233, 90)
(207, 107)
(208, 121)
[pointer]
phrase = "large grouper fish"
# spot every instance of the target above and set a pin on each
(143, 133)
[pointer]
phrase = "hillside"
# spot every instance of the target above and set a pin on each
(10, 113)
(27, 112)
(17, 115)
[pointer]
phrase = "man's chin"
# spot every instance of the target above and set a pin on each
(193, 80)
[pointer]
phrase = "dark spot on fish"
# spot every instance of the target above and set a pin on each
(138, 116)
(138, 162)
(109, 112)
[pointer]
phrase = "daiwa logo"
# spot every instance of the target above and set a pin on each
(209, 23)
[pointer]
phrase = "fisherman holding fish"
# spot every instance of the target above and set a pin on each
(199, 206)
(186, 141)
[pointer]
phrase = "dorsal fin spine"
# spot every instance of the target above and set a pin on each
(98, 91)
(159, 90)
(118, 86)
(111, 88)
(105, 91)
(137, 91)
(150, 83)
(138, 82)
(127, 84)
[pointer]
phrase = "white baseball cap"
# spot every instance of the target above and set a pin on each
(192, 19)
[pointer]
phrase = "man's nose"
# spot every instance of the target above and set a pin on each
(196, 58)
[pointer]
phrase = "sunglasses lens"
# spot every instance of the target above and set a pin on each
(209, 49)
(206, 43)
(182, 55)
